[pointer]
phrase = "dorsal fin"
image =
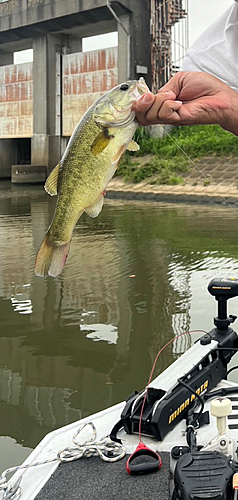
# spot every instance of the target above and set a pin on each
(52, 181)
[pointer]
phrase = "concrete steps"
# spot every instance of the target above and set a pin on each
(28, 174)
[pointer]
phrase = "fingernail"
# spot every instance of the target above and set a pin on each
(146, 98)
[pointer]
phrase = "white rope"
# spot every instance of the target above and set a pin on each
(108, 450)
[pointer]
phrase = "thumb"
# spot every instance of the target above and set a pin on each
(172, 85)
(169, 93)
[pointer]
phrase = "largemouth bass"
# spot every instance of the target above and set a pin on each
(89, 162)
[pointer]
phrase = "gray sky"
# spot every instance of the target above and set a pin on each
(202, 13)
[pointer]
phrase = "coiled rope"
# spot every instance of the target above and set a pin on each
(108, 450)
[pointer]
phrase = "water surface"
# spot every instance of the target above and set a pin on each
(136, 277)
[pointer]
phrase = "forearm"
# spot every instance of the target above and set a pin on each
(229, 120)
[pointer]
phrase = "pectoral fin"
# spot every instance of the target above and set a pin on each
(52, 181)
(101, 142)
(133, 146)
(95, 209)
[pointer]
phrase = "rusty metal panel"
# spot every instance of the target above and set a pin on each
(86, 76)
(16, 101)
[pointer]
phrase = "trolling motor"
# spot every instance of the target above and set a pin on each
(200, 369)
(210, 472)
(200, 472)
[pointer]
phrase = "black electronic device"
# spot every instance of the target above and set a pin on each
(201, 368)
(202, 475)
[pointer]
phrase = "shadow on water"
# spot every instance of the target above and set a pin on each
(136, 276)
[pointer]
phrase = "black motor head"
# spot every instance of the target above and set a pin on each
(223, 287)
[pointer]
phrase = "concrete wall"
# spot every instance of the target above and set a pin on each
(86, 76)
(55, 28)
(16, 14)
(16, 98)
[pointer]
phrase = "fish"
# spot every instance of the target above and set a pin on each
(89, 162)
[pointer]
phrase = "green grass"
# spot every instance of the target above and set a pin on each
(196, 140)
(172, 154)
(163, 171)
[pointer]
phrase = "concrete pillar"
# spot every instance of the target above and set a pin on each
(123, 49)
(46, 140)
(39, 142)
(71, 44)
(47, 145)
(54, 99)
(6, 58)
(140, 58)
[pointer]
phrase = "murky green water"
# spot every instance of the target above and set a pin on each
(136, 276)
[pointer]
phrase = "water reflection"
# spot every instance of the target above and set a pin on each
(136, 276)
(109, 333)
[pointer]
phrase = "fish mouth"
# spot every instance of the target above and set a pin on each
(142, 87)
(126, 116)
(138, 89)
(136, 92)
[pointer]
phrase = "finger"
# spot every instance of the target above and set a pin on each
(160, 112)
(174, 84)
(169, 111)
(142, 106)
(148, 107)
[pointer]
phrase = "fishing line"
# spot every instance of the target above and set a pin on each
(142, 449)
(153, 369)
(196, 166)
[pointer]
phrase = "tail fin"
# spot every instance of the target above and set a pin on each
(51, 258)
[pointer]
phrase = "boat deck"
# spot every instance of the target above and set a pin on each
(92, 478)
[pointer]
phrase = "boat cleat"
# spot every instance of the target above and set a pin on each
(221, 408)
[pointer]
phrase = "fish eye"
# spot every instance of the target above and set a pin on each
(124, 86)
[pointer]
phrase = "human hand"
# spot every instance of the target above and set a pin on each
(190, 98)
